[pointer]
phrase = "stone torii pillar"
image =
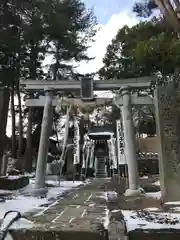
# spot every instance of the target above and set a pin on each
(46, 128)
(130, 143)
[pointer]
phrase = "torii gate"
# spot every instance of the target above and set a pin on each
(86, 86)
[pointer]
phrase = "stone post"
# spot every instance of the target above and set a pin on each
(87, 159)
(4, 164)
(130, 143)
(44, 142)
(166, 100)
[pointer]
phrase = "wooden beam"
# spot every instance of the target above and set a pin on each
(36, 86)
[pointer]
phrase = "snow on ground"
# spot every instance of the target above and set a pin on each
(146, 220)
(144, 177)
(22, 223)
(109, 195)
(22, 204)
(177, 203)
(151, 209)
(173, 206)
(155, 195)
(25, 204)
(106, 219)
(14, 177)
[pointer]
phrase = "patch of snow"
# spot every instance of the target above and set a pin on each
(115, 210)
(64, 186)
(91, 205)
(147, 220)
(157, 183)
(155, 195)
(106, 219)
(144, 177)
(173, 206)
(14, 177)
(25, 204)
(29, 174)
(172, 203)
(22, 204)
(112, 195)
(151, 209)
(175, 209)
(109, 195)
(5, 192)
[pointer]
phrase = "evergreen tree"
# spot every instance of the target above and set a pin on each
(142, 50)
(31, 30)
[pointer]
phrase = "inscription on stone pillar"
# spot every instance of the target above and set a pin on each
(168, 131)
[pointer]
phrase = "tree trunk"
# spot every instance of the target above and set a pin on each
(169, 13)
(172, 13)
(56, 64)
(14, 153)
(20, 142)
(28, 154)
(4, 100)
(33, 75)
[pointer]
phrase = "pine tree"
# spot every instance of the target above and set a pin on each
(30, 30)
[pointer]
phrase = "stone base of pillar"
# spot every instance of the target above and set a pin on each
(133, 192)
(36, 192)
(48, 169)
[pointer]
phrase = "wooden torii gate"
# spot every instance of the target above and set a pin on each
(86, 87)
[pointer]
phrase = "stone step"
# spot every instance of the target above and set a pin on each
(100, 168)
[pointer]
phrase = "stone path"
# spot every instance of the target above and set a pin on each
(81, 215)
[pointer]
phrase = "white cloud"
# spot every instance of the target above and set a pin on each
(103, 38)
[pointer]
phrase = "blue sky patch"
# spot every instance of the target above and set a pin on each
(104, 9)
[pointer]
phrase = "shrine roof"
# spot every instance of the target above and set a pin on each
(105, 130)
(100, 133)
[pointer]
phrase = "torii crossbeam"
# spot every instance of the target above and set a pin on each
(135, 100)
(101, 85)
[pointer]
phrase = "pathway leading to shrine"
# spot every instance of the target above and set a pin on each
(80, 215)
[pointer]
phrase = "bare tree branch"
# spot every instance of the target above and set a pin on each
(170, 12)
